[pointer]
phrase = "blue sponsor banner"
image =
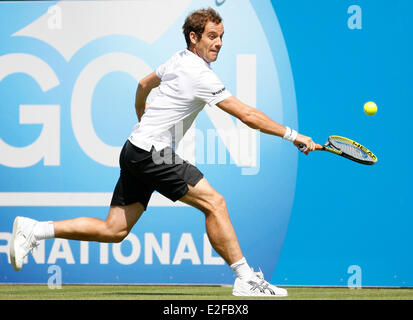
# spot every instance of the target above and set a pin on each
(68, 77)
(69, 73)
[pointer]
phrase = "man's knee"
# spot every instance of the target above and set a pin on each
(216, 204)
(115, 233)
(120, 221)
(119, 236)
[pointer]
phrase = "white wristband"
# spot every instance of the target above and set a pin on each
(294, 135)
(287, 133)
(290, 134)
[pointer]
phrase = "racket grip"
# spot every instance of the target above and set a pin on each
(302, 147)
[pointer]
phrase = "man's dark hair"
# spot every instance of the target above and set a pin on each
(196, 22)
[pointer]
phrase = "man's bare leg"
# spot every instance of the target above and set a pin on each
(26, 231)
(115, 228)
(219, 228)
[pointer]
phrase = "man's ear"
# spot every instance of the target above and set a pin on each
(193, 38)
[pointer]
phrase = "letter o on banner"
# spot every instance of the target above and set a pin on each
(81, 106)
(135, 253)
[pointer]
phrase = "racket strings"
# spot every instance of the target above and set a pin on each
(350, 149)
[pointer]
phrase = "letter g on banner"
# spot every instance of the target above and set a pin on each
(47, 145)
(81, 106)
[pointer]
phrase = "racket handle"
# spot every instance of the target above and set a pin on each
(302, 147)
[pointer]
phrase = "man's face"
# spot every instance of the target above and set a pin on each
(210, 43)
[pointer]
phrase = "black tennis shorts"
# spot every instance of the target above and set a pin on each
(143, 172)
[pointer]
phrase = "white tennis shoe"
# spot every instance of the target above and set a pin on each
(22, 241)
(257, 286)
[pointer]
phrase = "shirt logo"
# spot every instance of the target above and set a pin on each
(218, 92)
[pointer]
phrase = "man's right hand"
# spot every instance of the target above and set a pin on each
(310, 145)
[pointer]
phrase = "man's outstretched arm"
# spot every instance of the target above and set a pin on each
(256, 119)
(144, 88)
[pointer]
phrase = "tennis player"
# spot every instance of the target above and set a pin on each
(148, 161)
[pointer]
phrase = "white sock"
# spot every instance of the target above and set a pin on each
(242, 269)
(44, 230)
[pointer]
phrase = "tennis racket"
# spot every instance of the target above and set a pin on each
(346, 148)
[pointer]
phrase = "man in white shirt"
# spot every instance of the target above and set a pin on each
(148, 162)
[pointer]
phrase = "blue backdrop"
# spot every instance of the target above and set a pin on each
(346, 214)
(68, 75)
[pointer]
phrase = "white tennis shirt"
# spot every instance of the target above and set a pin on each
(187, 85)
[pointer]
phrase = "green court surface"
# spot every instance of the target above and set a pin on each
(183, 292)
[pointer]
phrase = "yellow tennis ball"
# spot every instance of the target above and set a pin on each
(370, 108)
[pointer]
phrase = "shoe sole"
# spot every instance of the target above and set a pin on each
(238, 294)
(12, 248)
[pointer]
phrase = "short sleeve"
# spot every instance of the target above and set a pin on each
(160, 70)
(210, 89)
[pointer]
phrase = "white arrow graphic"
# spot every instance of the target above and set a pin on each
(84, 21)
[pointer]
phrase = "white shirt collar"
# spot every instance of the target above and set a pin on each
(189, 52)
